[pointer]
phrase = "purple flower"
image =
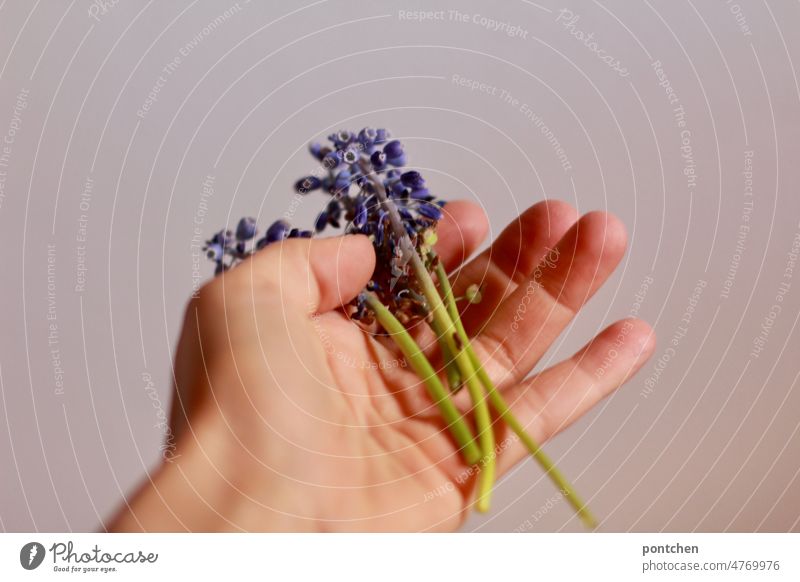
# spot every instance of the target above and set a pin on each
(367, 137)
(341, 138)
(321, 222)
(308, 184)
(394, 153)
(246, 229)
(378, 160)
(412, 179)
(334, 212)
(277, 231)
(223, 238)
(361, 216)
(421, 194)
(342, 180)
(350, 155)
(316, 150)
(354, 165)
(331, 160)
(214, 252)
(431, 211)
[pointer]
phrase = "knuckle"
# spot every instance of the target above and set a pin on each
(283, 271)
(274, 275)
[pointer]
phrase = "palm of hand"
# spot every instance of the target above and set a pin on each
(360, 431)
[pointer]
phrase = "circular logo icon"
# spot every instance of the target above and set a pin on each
(31, 555)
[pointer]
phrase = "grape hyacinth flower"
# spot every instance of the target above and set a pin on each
(371, 193)
(350, 178)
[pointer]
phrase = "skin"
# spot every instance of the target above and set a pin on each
(290, 417)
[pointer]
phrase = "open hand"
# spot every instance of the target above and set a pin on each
(289, 416)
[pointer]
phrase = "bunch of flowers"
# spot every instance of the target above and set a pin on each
(372, 194)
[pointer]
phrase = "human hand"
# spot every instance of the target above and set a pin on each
(289, 416)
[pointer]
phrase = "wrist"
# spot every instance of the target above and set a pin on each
(211, 484)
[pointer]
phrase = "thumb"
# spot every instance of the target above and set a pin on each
(323, 274)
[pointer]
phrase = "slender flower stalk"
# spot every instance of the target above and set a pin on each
(420, 364)
(447, 337)
(449, 362)
(504, 410)
(394, 208)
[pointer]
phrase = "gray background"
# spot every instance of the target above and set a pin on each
(714, 446)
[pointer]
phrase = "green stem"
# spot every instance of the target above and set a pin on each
(543, 459)
(420, 364)
(447, 337)
(450, 366)
(483, 420)
(502, 408)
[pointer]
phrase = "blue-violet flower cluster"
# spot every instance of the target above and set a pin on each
(351, 165)
(370, 193)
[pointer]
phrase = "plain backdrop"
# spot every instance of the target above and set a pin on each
(683, 118)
